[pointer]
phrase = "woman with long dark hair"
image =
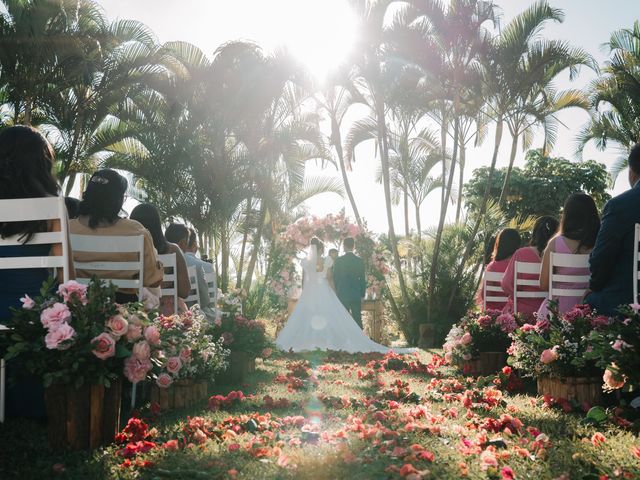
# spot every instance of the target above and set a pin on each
(507, 242)
(148, 216)
(544, 228)
(100, 210)
(26, 166)
(579, 228)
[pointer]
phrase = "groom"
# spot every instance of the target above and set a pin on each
(349, 279)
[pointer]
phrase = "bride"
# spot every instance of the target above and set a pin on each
(319, 320)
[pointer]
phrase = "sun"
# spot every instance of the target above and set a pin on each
(320, 33)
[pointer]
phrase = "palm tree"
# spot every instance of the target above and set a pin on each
(618, 90)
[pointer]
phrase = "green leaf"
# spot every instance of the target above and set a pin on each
(597, 415)
(122, 351)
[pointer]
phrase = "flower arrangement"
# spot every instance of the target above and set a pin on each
(240, 334)
(477, 332)
(558, 345)
(231, 303)
(185, 350)
(617, 349)
(77, 333)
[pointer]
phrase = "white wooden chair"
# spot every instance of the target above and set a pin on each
(491, 292)
(112, 244)
(210, 278)
(33, 209)
(194, 293)
(170, 277)
(636, 259)
(529, 268)
(567, 260)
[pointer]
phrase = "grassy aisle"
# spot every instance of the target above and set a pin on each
(322, 416)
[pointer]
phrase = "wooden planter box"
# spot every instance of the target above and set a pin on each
(487, 363)
(82, 418)
(580, 389)
(182, 393)
(240, 365)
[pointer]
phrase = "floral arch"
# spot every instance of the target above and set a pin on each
(331, 229)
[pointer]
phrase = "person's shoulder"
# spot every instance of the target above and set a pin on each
(626, 197)
(126, 224)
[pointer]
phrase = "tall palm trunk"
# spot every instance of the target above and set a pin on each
(407, 230)
(384, 160)
(245, 236)
(443, 213)
(443, 142)
(512, 158)
(28, 109)
(256, 245)
(337, 139)
(225, 254)
(418, 223)
(481, 212)
(461, 161)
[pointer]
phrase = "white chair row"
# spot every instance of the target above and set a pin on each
(493, 291)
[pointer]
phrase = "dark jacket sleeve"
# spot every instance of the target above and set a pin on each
(363, 278)
(607, 248)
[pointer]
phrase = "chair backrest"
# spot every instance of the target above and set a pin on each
(492, 292)
(170, 277)
(528, 268)
(112, 244)
(210, 278)
(636, 259)
(568, 260)
(37, 209)
(194, 293)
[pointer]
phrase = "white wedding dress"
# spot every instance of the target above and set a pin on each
(320, 321)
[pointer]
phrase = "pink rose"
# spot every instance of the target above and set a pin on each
(164, 380)
(118, 325)
(57, 335)
(620, 344)
(27, 302)
(185, 355)
(134, 332)
(466, 339)
(543, 324)
(507, 322)
(72, 289)
(136, 369)
(104, 346)
(55, 314)
(549, 355)
(611, 380)
(485, 321)
(599, 321)
(527, 327)
(448, 357)
(174, 364)
(152, 335)
(141, 351)
(266, 353)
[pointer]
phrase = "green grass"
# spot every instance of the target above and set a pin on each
(328, 447)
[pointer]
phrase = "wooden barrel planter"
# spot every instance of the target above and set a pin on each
(487, 363)
(183, 393)
(240, 365)
(82, 418)
(580, 389)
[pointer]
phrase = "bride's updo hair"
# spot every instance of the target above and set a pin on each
(319, 245)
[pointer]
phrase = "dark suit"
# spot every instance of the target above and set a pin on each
(611, 261)
(350, 282)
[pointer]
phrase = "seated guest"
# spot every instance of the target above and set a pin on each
(147, 215)
(544, 228)
(611, 261)
(578, 229)
(101, 204)
(73, 207)
(507, 242)
(188, 242)
(207, 267)
(26, 171)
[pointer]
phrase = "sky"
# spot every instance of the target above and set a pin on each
(320, 31)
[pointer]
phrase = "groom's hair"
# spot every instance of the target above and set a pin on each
(348, 243)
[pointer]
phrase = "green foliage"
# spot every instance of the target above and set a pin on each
(445, 310)
(541, 186)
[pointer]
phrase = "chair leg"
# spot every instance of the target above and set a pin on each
(2, 389)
